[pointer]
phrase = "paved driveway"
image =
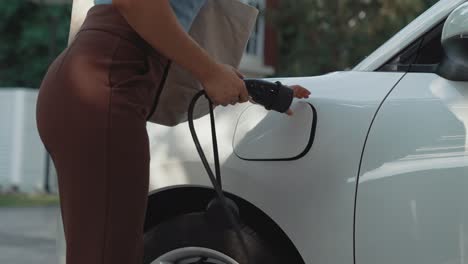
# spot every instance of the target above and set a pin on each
(30, 235)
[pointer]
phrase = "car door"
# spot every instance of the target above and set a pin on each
(412, 192)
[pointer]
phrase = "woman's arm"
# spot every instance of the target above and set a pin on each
(155, 22)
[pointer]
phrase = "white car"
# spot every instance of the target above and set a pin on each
(372, 168)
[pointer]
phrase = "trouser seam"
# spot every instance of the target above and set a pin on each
(108, 152)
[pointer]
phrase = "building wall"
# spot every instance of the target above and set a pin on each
(253, 63)
(271, 42)
(22, 154)
(6, 134)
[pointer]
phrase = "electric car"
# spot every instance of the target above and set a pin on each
(372, 168)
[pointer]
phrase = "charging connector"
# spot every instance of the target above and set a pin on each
(273, 96)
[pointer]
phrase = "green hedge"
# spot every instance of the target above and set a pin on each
(32, 35)
(320, 36)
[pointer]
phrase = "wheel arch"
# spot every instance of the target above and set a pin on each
(167, 203)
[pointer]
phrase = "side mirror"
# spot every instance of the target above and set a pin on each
(454, 65)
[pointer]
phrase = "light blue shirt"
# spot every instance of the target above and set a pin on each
(185, 10)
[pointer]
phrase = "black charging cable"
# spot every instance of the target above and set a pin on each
(273, 96)
(215, 178)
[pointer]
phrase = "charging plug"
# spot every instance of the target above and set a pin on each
(272, 95)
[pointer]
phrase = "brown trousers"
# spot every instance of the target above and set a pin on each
(91, 115)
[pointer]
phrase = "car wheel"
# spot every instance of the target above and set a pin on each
(192, 239)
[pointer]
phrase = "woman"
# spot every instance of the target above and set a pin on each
(91, 116)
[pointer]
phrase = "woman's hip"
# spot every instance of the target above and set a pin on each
(105, 58)
(102, 74)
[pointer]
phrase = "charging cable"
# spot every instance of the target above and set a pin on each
(215, 178)
(273, 96)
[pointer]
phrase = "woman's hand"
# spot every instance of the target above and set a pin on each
(224, 85)
(300, 93)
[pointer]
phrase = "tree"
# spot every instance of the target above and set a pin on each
(32, 36)
(320, 36)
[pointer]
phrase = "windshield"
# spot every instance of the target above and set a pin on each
(433, 16)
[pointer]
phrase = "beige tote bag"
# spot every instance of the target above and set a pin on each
(222, 28)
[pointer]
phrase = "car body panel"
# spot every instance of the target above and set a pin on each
(310, 198)
(407, 35)
(412, 194)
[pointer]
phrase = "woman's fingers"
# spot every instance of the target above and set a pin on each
(244, 94)
(240, 74)
(300, 92)
(224, 86)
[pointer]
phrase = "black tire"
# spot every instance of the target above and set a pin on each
(194, 230)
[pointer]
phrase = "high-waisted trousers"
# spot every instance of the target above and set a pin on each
(91, 115)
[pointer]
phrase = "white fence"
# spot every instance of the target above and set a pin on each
(22, 155)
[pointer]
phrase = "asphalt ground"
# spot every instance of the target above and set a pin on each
(31, 235)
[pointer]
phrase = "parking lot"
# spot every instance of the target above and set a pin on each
(29, 235)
